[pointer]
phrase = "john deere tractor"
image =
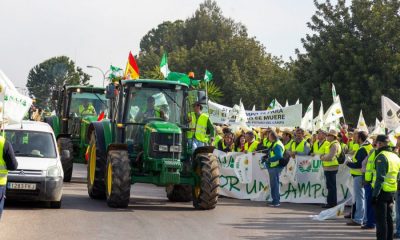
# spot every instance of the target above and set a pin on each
(77, 107)
(145, 141)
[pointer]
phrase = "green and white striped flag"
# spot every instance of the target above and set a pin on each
(164, 65)
(208, 76)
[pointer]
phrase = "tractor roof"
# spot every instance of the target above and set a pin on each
(155, 81)
(85, 88)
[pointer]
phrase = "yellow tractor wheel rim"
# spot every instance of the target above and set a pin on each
(197, 188)
(92, 163)
(109, 178)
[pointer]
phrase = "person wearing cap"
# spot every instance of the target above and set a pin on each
(227, 144)
(320, 144)
(355, 171)
(368, 166)
(274, 169)
(300, 146)
(251, 144)
(385, 177)
(330, 165)
(287, 140)
(201, 127)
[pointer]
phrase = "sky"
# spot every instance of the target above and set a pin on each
(102, 32)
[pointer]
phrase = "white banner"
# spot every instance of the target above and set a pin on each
(284, 117)
(302, 180)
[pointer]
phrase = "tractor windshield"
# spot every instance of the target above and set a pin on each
(145, 104)
(86, 104)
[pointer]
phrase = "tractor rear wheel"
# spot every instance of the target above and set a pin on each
(67, 163)
(179, 193)
(118, 179)
(205, 191)
(95, 170)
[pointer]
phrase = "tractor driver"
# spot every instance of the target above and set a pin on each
(150, 111)
(87, 108)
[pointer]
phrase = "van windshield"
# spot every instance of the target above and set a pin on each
(31, 143)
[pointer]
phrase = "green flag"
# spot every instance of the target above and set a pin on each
(115, 69)
(164, 65)
(208, 76)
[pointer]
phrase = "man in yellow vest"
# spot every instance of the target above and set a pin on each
(87, 108)
(202, 129)
(287, 139)
(7, 162)
(227, 144)
(251, 144)
(387, 166)
(275, 154)
(330, 165)
(369, 163)
(300, 146)
(355, 171)
(320, 145)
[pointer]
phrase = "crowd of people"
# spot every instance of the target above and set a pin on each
(374, 167)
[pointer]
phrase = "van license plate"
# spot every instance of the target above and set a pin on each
(23, 186)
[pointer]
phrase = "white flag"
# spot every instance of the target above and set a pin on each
(361, 125)
(333, 113)
(307, 121)
(287, 103)
(379, 127)
(298, 101)
(334, 94)
(14, 104)
(390, 113)
(254, 108)
(319, 120)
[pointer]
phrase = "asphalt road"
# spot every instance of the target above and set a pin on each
(151, 216)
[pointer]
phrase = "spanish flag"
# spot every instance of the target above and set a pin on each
(131, 70)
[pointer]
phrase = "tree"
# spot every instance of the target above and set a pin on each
(51, 75)
(355, 47)
(208, 40)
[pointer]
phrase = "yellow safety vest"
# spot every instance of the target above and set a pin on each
(357, 171)
(272, 154)
(288, 145)
(231, 149)
(199, 127)
(299, 147)
(267, 143)
(334, 161)
(216, 140)
(390, 180)
(3, 165)
(88, 111)
(320, 149)
(370, 167)
(252, 147)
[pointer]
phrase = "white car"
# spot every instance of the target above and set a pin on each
(39, 176)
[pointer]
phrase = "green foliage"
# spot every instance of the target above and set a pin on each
(208, 40)
(355, 47)
(214, 92)
(51, 75)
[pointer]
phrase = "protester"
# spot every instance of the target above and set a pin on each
(227, 144)
(330, 165)
(240, 142)
(201, 126)
(7, 162)
(266, 143)
(251, 144)
(368, 166)
(355, 171)
(37, 115)
(274, 169)
(218, 136)
(287, 140)
(320, 145)
(300, 146)
(353, 145)
(384, 182)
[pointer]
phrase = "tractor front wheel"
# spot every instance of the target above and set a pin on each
(95, 170)
(118, 179)
(179, 193)
(67, 163)
(205, 191)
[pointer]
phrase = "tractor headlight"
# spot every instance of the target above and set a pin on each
(163, 148)
(53, 171)
(175, 148)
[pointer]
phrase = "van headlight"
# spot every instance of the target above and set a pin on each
(53, 171)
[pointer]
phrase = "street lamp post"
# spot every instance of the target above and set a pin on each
(102, 72)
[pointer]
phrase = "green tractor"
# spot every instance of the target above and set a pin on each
(77, 107)
(145, 141)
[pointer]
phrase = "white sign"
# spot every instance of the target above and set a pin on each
(284, 117)
(302, 180)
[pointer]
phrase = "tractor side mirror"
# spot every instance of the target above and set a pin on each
(201, 97)
(65, 154)
(110, 91)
